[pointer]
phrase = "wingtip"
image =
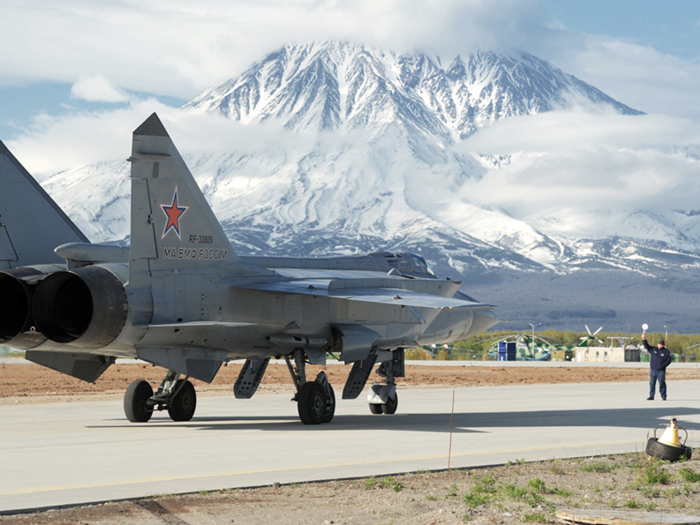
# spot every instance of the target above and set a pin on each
(153, 127)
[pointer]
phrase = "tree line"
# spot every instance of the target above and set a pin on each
(682, 344)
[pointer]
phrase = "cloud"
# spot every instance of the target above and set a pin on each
(53, 144)
(639, 76)
(636, 75)
(96, 88)
(582, 162)
(56, 143)
(178, 48)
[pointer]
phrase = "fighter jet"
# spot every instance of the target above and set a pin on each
(184, 300)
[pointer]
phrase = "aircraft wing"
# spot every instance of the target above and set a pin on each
(31, 223)
(190, 348)
(199, 334)
(395, 296)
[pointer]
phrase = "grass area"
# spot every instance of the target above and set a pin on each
(520, 492)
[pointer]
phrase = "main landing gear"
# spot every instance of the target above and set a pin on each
(174, 394)
(315, 399)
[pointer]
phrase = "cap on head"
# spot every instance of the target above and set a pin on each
(662, 342)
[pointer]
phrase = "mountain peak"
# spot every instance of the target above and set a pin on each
(389, 174)
(339, 85)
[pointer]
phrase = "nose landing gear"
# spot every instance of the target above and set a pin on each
(382, 398)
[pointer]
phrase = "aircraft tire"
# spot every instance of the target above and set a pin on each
(183, 405)
(329, 411)
(311, 403)
(390, 406)
(667, 452)
(135, 401)
(375, 409)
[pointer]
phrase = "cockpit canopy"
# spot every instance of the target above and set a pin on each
(408, 264)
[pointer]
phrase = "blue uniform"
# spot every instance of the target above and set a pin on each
(660, 359)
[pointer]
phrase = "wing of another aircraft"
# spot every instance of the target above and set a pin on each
(31, 223)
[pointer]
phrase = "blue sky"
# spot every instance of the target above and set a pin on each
(671, 27)
(73, 71)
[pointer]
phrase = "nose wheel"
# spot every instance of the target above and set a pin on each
(383, 399)
(391, 405)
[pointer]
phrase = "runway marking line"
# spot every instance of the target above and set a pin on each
(32, 490)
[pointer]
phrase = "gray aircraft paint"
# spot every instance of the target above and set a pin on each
(31, 223)
(186, 301)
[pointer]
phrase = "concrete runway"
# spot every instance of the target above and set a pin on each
(73, 453)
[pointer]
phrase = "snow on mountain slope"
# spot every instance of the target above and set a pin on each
(96, 197)
(382, 166)
(340, 86)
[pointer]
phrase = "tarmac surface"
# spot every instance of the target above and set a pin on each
(57, 454)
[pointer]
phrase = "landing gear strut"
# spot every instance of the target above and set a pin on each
(315, 399)
(174, 394)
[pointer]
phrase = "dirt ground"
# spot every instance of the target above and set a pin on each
(513, 493)
(509, 494)
(30, 383)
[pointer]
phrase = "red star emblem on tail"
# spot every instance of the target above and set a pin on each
(173, 212)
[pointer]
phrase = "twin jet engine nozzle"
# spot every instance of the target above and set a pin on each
(85, 307)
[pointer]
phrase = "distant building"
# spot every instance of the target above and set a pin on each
(600, 354)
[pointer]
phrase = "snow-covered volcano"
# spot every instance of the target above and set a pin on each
(341, 86)
(368, 152)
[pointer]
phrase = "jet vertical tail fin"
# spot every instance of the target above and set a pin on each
(31, 223)
(172, 224)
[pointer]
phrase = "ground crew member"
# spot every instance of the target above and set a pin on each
(660, 358)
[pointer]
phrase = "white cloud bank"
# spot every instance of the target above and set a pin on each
(180, 47)
(583, 163)
(55, 144)
(96, 88)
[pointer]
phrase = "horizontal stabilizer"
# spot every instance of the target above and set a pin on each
(92, 253)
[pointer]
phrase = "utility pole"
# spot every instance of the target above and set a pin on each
(533, 329)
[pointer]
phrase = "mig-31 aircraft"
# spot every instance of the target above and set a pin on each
(181, 298)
